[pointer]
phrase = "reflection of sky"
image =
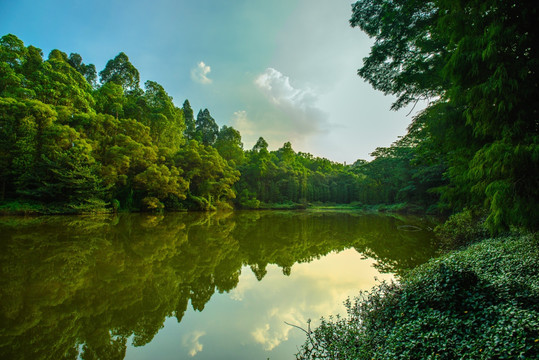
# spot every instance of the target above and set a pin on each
(249, 322)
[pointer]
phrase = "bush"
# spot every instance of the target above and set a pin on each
(248, 200)
(21, 208)
(152, 204)
(479, 303)
(461, 229)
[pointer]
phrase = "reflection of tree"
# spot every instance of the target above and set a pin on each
(303, 237)
(85, 285)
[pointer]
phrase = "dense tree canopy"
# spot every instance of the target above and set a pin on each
(477, 62)
(71, 144)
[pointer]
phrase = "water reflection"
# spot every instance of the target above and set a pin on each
(75, 287)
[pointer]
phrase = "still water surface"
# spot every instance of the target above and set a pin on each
(190, 285)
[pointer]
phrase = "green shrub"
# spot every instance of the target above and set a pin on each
(21, 208)
(479, 303)
(461, 229)
(152, 204)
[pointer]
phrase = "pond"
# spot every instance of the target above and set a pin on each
(190, 285)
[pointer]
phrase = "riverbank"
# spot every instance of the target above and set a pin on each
(36, 208)
(481, 302)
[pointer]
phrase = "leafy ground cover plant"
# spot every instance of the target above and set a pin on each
(477, 303)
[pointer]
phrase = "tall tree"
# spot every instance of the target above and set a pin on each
(479, 58)
(88, 71)
(190, 127)
(261, 145)
(229, 145)
(166, 120)
(121, 72)
(12, 55)
(206, 127)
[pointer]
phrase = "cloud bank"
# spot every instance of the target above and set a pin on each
(241, 122)
(200, 73)
(293, 112)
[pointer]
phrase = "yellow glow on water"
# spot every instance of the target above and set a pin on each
(312, 290)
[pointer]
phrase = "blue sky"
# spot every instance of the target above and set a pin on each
(281, 69)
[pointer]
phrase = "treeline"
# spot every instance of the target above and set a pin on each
(71, 143)
(75, 140)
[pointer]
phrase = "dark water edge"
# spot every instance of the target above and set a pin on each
(102, 286)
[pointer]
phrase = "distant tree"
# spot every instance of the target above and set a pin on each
(190, 126)
(121, 72)
(260, 145)
(229, 145)
(286, 153)
(88, 71)
(206, 127)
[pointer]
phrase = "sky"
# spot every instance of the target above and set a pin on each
(285, 70)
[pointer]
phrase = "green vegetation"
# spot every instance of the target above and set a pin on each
(69, 143)
(477, 144)
(73, 140)
(72, 144)
(478, 303)
(475, 149)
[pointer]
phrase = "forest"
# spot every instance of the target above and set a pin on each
(77, 141)
(74, 140)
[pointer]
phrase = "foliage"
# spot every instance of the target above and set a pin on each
(71, 143)
(60, 128)
(206, 128)
(477, 303)
(210, 177)
(477, 60)
(461, 229)
(121, 72)
(458, 153)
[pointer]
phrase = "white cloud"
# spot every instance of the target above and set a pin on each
(191, 342)
(295, 111)
(241, 122)
(200, 73)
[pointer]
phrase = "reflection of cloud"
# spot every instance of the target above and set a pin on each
(262, 336)
(251, 318)
(200, 73)
(190, 341)
(302, 116)
(270, 337)
(312, 290)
